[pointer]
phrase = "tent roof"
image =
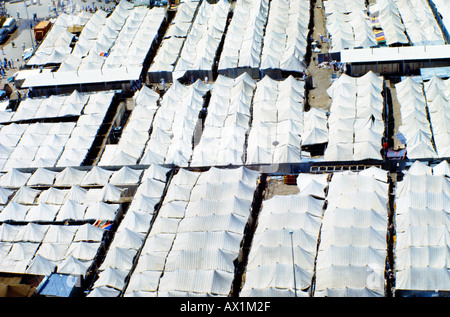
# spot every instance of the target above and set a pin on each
(88, 232)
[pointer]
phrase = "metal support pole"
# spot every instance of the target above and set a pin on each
(293, 266)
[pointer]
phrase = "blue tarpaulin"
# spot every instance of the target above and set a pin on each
(60, 285)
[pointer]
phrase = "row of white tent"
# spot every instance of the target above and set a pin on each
(277, 122)
(285, 39)
(200, 48)
(57, 205)
(424, 138)
(390, 21)
(223, 138)
(437, 94)
(171, 140)
(348, 25)
(51, 107)
(130, 235)
(196, 236)
(285, 242)
(86, 40)
(135, 38)
(85, 130)
(170, 48)
(121, 40)
(444, 11)
(355, 123)
(110, 48)
(245, 35)
(49, 144)
(33, 145)
(43, 249)
(415, 126)
(352, 252)
(56, 45)
(420, 23)
(69, 195)
(192, 39)
(422, 228)
(277, 116)
(68, 177)
(135, 133)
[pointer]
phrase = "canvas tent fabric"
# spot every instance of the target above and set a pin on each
(176, 34)
(43, 249)
(421, 226)
(203, 39)
(437, 94)
(223, 138)
(277, 123)
(444, 11)
(171, 138)
(180, 236)
(136, 132)
(243, 43)
(56, 45)
(352, 251)
(110, 48)
(415, 126)
(355, 123)
(130, 234)
(48, 144)
(391, 22)
(348, 25)
(85, 130)
(54, 106)
(420, 23)
(280, 51)
(286, 224)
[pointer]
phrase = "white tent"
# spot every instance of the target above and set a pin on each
(442, 169)
(41, 266)
(69, 176)
(421, 247)
(111, 277)
(14, 211)
(88, 232)
(212, 282)
(26, 195)
(353, 245)
(74, 266)
(52, 195)
(32, 233)
(128, 239)
(125, 175)
(42, 212)
(137, 221)
(71, 210)
(119, 258)
(96, 176)
(42, 176)
(8, 232)
(14, 178)
(245, 34)
(53, 251)
(83, 250)
(103, 291)
(5, 194)
(76, 194)
(61, 234)
(101, 210)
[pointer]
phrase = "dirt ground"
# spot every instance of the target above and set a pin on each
(275, 186)
(318, 97)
